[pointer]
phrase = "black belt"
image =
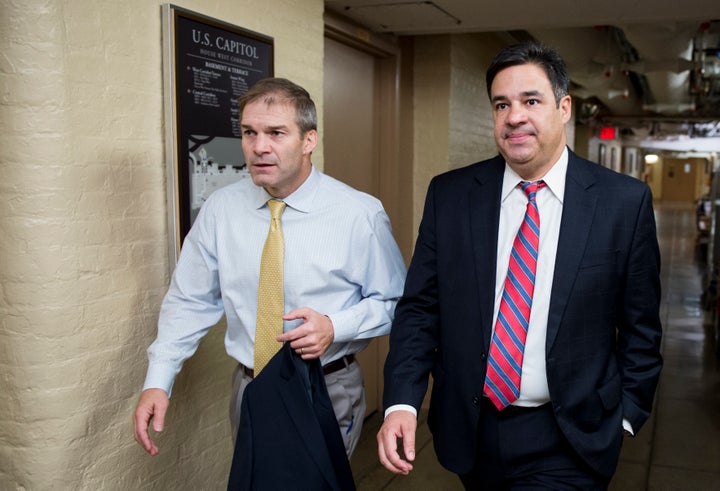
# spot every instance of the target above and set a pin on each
(338, 364)
(331, 367)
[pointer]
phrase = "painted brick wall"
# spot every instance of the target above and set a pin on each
(471, 124)
(453, 123)
(83, 242)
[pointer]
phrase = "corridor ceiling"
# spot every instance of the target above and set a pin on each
(650, 67)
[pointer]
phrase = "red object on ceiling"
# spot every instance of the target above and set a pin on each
(608, 133)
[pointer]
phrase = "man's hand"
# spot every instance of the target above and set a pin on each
(311, 338)
(398, 424)
(153, 405)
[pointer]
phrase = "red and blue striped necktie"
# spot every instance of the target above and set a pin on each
(502, 381)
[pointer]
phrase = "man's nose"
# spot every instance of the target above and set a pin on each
(261, 144)
(517, 114)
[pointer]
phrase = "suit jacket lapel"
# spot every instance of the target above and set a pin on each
(484, 206)
(578, 211)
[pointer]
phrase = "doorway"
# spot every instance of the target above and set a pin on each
(350, 122)
(360, 144)
(682, 179)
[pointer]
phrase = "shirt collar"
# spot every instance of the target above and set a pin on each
(300, 199)
(554, 179)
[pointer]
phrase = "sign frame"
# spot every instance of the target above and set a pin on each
(207, 65)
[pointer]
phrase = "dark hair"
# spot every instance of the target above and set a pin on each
(282, 90)
(537, 54)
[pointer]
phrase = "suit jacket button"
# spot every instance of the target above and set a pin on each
(482, 356)
(476, 400)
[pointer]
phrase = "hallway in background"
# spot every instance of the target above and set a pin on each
(679, 447)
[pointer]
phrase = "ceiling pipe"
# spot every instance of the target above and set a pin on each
(669, 45)
(669, 108)
(677, 65)
(614, 93)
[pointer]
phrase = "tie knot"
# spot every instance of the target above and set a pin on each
(276, 208)
(531, 188)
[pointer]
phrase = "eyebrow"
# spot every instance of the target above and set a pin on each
(267, 128)
(527, 93)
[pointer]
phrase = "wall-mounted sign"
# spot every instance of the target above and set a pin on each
(207, 65)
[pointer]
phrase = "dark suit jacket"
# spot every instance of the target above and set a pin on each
(288, 436)
(603, 333)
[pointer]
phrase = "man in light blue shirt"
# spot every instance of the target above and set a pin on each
(343, 271)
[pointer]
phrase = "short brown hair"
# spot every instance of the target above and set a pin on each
(282, 90)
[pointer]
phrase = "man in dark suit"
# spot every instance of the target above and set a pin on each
(289, 437)
(590, 358)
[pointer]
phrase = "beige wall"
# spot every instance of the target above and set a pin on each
(471, 123)
(431, 114)
(452, 121)
(581, 137)
(653, 176)
(83, 242)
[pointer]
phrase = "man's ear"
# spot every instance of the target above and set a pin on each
(310, 141)
(566, 108)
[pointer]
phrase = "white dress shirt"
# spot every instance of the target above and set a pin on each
(340, 260)
(533, 381)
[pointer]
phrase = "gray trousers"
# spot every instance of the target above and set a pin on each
(347, 394)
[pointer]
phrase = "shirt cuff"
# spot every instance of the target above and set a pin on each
(157, 378)
(400, 407)
(627, 426)
(340, 321)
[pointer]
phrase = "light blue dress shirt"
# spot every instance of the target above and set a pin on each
(340, 259)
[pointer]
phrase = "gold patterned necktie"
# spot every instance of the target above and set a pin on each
(271, 302)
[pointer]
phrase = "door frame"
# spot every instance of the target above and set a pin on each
(387, 55)
(394, 179)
